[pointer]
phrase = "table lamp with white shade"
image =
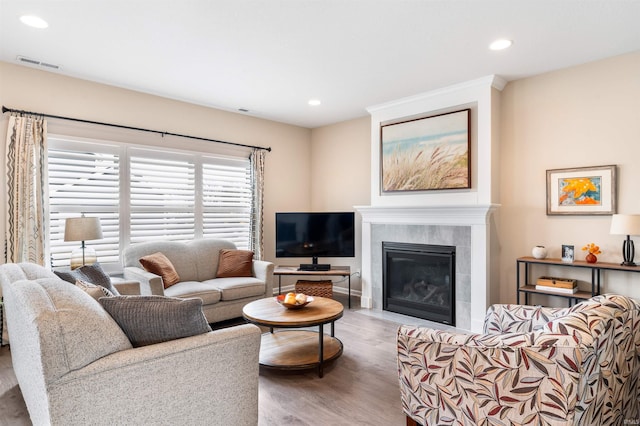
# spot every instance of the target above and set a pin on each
(626, 224)
(82, 229)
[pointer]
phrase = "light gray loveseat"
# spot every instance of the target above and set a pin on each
(75, 366)
(196, 262)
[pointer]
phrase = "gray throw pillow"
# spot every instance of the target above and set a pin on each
(147, 320)
(89, 273)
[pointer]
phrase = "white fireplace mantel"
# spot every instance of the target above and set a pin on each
(477, 217)
(461, 215)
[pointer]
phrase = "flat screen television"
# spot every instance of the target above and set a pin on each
(314, 235)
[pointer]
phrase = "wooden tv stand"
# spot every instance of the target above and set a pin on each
(341, 271)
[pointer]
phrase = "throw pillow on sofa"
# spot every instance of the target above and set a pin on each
(159, 264)
(89, 273)
(95, 291)
(235, 263)
(147, 320)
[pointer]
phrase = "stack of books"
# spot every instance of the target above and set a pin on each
(557, 285)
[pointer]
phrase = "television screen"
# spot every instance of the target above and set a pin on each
(314, 235)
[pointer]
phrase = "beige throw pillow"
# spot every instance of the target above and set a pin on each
(159, 264)
(95, 291)
(235, 263)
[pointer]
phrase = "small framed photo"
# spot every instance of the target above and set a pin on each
(582, 191)
(567, 253)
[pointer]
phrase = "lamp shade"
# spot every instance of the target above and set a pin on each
(82, 229)
(625, 224)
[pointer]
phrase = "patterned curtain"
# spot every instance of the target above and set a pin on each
(26, 156)
(257, 182)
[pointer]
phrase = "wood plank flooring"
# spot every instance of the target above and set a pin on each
(358, 388)
(13, 412)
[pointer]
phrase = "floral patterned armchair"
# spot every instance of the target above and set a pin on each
(533, 366)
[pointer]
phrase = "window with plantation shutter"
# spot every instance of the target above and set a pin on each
(83, 178)
(162, 196)
(226, 200)
(143, 194)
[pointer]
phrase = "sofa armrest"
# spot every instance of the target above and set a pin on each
(185, 381)
(519, 318)
(126, 287)
(150, 283)
(469, 378)
(263, 270)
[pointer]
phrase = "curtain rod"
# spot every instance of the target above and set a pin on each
(120, 126)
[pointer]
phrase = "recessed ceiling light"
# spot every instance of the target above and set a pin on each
(500, 44)
(34, 21)
(314, 102)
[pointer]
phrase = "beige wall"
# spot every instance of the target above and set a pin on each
(340, 165)
(287, 182)
(341, 175)
(587, 115)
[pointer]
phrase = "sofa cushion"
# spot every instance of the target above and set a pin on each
(88, 273)
(238, 287)
(159, 264)
(205, 291)
(147, 320)
(95, 291)
(235, 263)
(10, 272)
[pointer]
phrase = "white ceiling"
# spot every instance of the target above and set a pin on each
(272, 56)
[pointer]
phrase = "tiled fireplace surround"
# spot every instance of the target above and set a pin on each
(467, 228)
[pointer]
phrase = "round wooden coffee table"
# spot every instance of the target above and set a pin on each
(296, 349)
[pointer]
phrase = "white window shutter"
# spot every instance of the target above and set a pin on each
(162, 199)
(227, 201)
(83, 182)
(163, 195)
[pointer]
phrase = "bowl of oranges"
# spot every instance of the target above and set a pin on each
(294, 300)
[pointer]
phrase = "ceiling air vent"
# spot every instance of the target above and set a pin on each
(44, 64)
(37, 63)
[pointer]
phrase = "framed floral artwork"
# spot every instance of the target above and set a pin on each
(425, 154)
(582, 191)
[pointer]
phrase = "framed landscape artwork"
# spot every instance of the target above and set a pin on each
(424, 154)
(581, 191)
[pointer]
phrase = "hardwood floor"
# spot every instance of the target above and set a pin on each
(359, 388)
(13, 412)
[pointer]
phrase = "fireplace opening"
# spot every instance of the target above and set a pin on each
(419, 280)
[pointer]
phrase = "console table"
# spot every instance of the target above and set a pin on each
(525, 283)
(341, 271)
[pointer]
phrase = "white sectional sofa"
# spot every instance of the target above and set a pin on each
(196, 262)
